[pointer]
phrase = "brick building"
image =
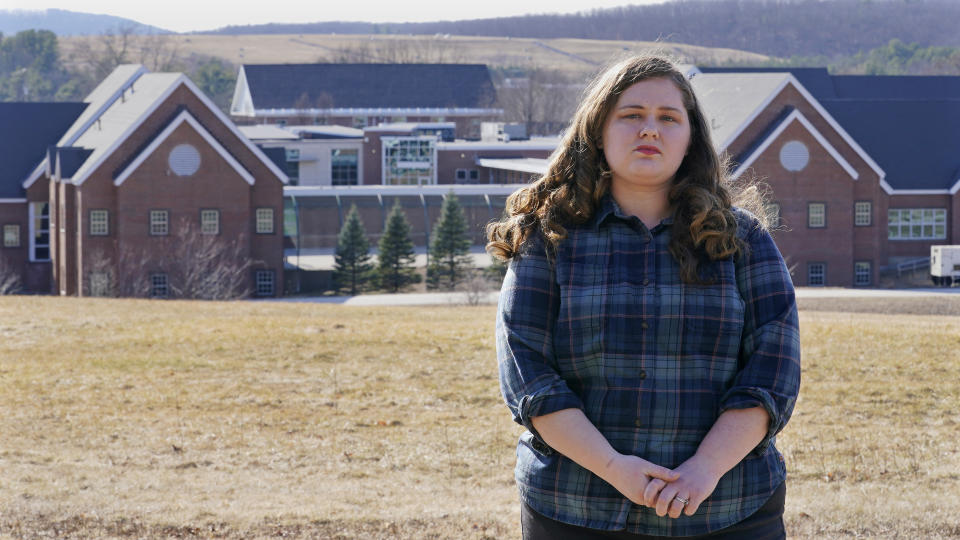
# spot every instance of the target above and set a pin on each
(153, 191)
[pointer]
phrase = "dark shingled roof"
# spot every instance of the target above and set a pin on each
(26, 130)
(909, 125)
(915, 142)
(324, 86)
(817, 81)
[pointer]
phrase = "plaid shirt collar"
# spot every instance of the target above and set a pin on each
(609, 208)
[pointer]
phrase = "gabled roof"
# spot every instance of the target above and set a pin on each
(26, 130)
(364, 86)
(183, 118)
(909, 125)
(732, 100)
(778, 127)
(123, 102)
(817, 80)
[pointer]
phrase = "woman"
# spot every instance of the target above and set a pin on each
(647, 330)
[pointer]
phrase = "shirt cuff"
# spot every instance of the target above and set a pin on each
(748, 398)
(531, 406)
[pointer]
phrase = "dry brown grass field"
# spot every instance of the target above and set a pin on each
(570, 55)
(163, 419)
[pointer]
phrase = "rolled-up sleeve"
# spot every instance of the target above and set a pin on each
(769, 360)
(527, 313)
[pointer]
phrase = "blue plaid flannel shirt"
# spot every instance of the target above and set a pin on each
(606, 325)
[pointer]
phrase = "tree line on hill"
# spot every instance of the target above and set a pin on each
(32, 67)
(781, 28)
(450, 266)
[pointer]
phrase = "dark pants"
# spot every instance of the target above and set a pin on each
(765, 524)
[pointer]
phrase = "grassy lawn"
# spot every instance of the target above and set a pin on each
(131, 418)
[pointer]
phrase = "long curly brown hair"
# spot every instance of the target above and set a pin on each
(578, 177)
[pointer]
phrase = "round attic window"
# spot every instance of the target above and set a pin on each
(794, 156)
(184, 160)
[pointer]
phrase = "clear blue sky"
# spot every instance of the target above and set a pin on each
(188, 15)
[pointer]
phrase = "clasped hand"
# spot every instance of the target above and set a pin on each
(658, 487)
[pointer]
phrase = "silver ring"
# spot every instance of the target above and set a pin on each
(682, 500)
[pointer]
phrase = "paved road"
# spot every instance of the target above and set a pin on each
(459, 298)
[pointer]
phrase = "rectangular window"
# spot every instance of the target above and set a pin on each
(210, 221)
(817, 274)
(292, 165)
(343, 167)
(408, 160)
(40, 231)
(99, 223)
(264, 282)
(159, 222)
(467, 175)
(11, 236)
(99, 284)
(816, 215)
(159, 288)
(862, 214)
(862, 274)
(773, 214)
(359, 122)
(917, 224)
(264, 220)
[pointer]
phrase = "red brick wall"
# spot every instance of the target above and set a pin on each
(152, 186)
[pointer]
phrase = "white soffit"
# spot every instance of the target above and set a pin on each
(184, 117)
(796, 115)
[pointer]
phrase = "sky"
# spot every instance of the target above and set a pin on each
(191, 15)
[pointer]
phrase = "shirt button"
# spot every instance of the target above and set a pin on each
(646, 282)
(642, 374)
(644, 325)
(638, 422)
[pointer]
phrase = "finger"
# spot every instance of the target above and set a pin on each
(665, 499)
(662, 473)
(676, 506)
(653, 489)
(692, 506)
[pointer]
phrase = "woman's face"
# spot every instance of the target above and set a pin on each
(646, 136)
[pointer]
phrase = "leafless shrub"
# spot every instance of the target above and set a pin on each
(475, 286)
(543, 99)
(10, 280)
(196, 265)
(426, 50)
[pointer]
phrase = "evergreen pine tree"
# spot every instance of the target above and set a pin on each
(396, 262)
(450, 260)
(352, 264)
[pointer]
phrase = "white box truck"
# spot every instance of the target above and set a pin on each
(945, 265)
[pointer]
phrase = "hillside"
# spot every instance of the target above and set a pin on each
(780, 28)
(68, 23)
(572, 56)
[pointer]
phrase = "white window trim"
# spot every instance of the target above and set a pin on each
(922, 224)
(810, 215)
(216, 213)
(273, 217)
(272, 282)
(823, 274)
(31, 214)
(869, 214)
(106, 223)
(869, 273)
(166, 222)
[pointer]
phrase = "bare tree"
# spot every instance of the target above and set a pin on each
(208, 266)
(542, 99)
(424, 50)
(196, 266)
(158, 52)
(10, 281)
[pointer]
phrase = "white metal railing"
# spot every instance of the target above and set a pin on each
(912, 265)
